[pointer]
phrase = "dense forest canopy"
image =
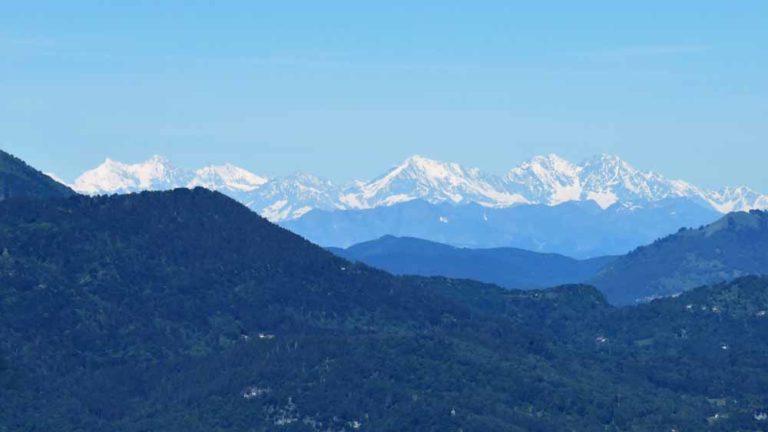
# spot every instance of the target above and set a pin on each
(17, 179)
(731, 247)
(184, 310)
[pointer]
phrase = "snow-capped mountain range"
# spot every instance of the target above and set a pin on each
(550, 180)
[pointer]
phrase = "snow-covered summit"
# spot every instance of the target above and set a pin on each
(422, 178)
(608, 179)
(295, 195)
(604, 179)
(227, 176)
(156, 173)
(734, 199)
(548, 180)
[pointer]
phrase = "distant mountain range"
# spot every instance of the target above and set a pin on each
(732, 247)
(603, 206)
(544, 180)
(579, 229)
(506, 267)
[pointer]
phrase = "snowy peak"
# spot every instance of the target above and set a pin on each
(278, 199)
(607, 172)
(304, 187)
(295, 195)
(547, 180)
(421, 170)
(736, 199)
(416, 177)
(227, 176)
(550, 163)
(422, 178)
(156, 173)
(607, 179)
(419, 167)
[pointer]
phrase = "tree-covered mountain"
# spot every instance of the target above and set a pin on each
(19, 180)
(185, 311)
(736, 245)
(506, 267)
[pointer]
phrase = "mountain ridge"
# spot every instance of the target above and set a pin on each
(579, 229)
(19, 180)
(728, 248)
(507, 267)
(549, 180)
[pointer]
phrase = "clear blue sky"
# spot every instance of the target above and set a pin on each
(346, 89)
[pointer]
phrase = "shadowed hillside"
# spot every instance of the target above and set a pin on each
(185, 311)
(507, 267)
(734, 246)
(19, 180)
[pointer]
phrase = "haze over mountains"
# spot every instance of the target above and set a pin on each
(544, 180)
(580, 229)
(603, 206)
(731, 247)
(506, 267)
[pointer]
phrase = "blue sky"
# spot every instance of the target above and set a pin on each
(347, 89)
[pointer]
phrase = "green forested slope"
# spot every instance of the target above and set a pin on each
(19, 180)
(734, 246)
(184, 311)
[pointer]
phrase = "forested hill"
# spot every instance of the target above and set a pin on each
(185, 311)
(19, 180)
(734, 246)
(507, 267)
